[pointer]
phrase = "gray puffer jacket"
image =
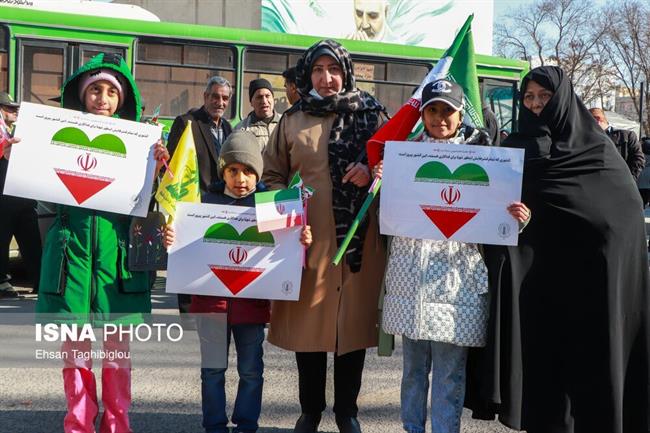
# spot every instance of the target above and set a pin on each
(437, 290)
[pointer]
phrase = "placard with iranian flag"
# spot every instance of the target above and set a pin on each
(446, 191)
(279, 209)
(82, 159)
(219, 251)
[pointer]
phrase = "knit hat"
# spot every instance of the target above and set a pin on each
(109, 75)
(241, 147)
(255, 85)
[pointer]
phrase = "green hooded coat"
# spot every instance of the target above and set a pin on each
(84, 269)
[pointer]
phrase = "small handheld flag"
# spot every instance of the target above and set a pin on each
(276, 210)
(184, 187)
(156, 114)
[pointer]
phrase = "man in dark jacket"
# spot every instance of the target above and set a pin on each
(209, 128)
(643, 182)
(18, 217)
(491, 126)
(626, 143)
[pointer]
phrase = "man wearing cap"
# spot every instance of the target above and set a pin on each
(263, 119)
(18, 216)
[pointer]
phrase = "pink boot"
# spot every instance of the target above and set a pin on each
(80, 390)
(116, 389)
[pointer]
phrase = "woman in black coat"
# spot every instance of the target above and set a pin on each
(568, 348)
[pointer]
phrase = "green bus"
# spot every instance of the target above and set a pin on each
(172, 62)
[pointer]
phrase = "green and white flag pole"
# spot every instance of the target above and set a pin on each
(457, 64)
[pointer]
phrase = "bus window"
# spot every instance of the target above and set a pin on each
(499, 97)
(392, 83)
(90, 51)
(174, 75)
(411, 74)
(264, 64)
(42, 72)
(4, 54)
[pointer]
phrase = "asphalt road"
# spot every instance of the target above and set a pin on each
(167, 400)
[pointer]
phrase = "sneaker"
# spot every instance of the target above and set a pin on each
(7, 291)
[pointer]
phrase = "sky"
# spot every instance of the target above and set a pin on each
(502, 7)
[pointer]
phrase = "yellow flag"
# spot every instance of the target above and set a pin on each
(185, 184)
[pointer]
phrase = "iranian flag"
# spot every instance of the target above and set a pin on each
(276, 210)
(457, 64)
(297, 182)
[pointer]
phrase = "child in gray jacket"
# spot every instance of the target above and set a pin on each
(436, 291)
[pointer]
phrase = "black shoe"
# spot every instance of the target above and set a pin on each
(348, 424)
(307, 423)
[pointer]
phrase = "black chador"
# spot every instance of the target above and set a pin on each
(568, 348)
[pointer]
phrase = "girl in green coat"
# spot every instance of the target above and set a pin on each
(84, 270)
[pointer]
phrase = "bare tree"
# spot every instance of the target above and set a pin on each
(626, 44)
(522, 34)
(559, 32)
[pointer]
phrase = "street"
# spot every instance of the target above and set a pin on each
(168, 400)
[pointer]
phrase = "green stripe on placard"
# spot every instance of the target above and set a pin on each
(225, 233)
(291, 194)
(75, 137)
(435, 171)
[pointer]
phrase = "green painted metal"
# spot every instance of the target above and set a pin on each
(117, 30)
(54, 26)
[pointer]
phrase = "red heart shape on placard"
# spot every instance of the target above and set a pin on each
(448, 220)
(82, 186)
(237, 278)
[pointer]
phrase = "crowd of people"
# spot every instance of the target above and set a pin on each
(550, 336)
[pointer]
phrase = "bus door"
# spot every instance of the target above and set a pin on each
(500, 96)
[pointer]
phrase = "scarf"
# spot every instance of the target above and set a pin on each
(358, 116)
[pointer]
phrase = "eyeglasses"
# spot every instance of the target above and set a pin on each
(9, 108)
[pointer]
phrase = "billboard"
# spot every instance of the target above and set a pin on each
(425, 23)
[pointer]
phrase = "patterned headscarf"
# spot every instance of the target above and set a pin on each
(358, 118)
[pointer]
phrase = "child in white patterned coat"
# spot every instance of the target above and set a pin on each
(436, 291)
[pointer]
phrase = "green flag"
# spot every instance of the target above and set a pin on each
(458, 64)
(463, 71)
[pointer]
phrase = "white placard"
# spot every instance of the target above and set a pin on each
(219, 251)
(450, 191)
(82, 159)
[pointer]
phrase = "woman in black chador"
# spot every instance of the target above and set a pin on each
(569, 342)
